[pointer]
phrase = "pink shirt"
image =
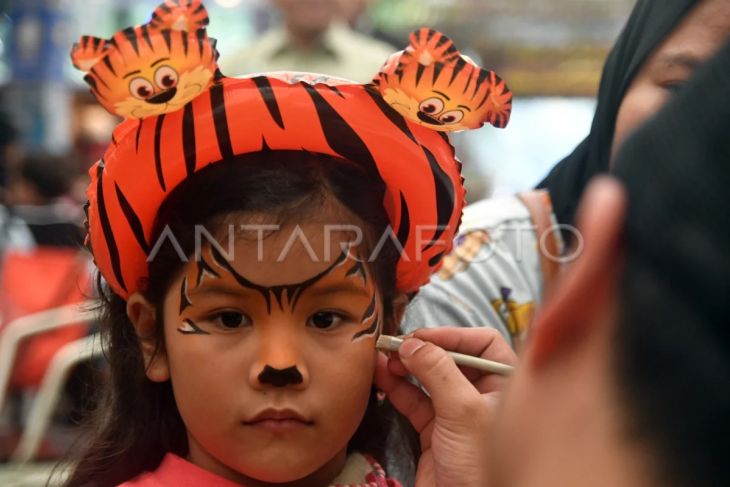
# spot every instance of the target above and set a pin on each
(174, 471)
(178, 472)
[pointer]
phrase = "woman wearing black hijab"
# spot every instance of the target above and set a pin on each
(650, 23)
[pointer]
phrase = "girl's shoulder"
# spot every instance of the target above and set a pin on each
(174, 470)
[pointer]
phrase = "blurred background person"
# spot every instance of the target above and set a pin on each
(316, 37)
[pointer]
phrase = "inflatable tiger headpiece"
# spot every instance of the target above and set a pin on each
(182, 115)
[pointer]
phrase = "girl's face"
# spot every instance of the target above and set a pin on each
(271, 353)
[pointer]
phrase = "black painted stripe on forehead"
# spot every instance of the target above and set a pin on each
(442, 40)
(106, 228)
(292, 291)
(267, 94)
(444, 196)
(204, 268)
(184, 299)
(158, 159)
(132, 220)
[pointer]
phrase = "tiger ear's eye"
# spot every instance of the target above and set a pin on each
(166, 77)
(431, 106)
(452, 116)
(141, 88)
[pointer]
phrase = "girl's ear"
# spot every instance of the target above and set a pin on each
(144, 319)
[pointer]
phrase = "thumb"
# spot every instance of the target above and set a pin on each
(452, 395)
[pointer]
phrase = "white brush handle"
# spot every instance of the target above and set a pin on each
(392, 344)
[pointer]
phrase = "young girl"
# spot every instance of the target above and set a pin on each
(255, 236)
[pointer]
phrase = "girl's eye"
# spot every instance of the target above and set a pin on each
(325, 320)
(231, 320)
(141, 88)
(431, 106)
(166, 77)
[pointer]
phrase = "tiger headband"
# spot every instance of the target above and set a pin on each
(182, 115)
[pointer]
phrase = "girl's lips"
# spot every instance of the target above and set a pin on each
(278, 420)
(278, 416)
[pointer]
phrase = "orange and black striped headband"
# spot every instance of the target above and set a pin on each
(183, 115)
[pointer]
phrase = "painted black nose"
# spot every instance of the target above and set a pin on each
(426, 118)
(163, 97)
(280, 377)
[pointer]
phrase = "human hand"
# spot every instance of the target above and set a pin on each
(453, 423)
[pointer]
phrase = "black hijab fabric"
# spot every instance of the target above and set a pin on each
(649, 24)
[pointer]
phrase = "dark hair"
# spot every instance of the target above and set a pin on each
(672, 344)
(137, 421)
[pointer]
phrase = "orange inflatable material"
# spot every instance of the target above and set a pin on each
(168, 137)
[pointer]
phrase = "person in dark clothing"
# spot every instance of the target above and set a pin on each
(661, 44)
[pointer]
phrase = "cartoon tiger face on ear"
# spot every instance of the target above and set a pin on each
(432, 84)
(153, 68)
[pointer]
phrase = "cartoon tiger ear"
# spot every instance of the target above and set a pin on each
(433, 85)
(88, 51)
(183, 15)
(499, 100)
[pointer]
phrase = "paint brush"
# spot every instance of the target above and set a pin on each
(392, 344)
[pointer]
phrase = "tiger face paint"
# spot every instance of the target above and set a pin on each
(432, 84)
(154, 68)
(252, 336)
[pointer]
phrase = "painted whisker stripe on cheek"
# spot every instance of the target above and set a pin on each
(190, 328)
(370, 314)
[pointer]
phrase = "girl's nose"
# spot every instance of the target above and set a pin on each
(279, 362)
